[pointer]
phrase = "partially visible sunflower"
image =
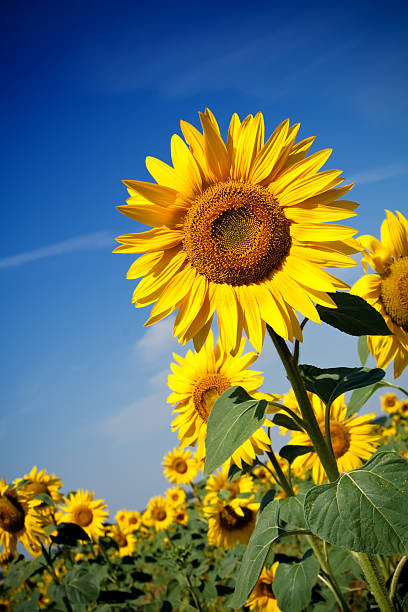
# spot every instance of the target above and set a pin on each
(262, 598)
(124, 538)
(230, 523)
(389, 403)
(180, 467)
(219, 482)
(176, 496)
(387, 290)
(19, 522)
(82, 509)
(353, 440)
(181, 516)
(41, 482)
(198, 380)
(239, 229)
(129, 518)
(159, 513)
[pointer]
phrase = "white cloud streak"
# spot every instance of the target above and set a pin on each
(382, 173)
(86, 242)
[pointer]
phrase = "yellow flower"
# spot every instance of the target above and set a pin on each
(262, 598)
(176, 496)
(219, 482)
(19, 522)
(159, 513)
(239, 229)
(127, 518)
(180, 467)
(387, 291)
(230, 522)
(181, 516)
(353, 440)
(82, 509)
(41, 482)
(389, 403)
(198, 380)
(124, 538)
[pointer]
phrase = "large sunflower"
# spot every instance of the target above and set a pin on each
(89, 513)
(40, 482)
(353, 440)
(198, 380)
(238, 229)
(387, 290)
(262, 598)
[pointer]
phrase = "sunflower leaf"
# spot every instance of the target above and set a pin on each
(234, 417)
(363, 350)
(283, 420)
(365, 510)
(45, 498)
(360, 396)
(291, 451)
(353, 316)
(332, 382)
(293, 584)
(68, 534)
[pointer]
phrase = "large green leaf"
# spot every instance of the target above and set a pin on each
(266, 531)
(234, 417)
(283, 420)
(293, 584)
(291, 511)
(365, 510)
(332, 382)
(291, 451)
(353, 315)
(360, 396)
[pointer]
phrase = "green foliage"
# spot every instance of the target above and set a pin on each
(293, 584)
(283, 420)
(291, 451)
(363, 350)
(365, 510)
(353, 316)
(234, 417)
(360, 396)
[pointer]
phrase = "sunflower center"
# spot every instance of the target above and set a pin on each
(265, 589)
(180, 466)
(159, 514)
(394, 292)
(236, 233)
(133, 520)
(121, 540)
(230, 520)
(11, 514)
(340, 439)
(83, 516)
(207, 390)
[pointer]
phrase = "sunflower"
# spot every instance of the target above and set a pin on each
(180, 467)
(181, 516)
(387, 290)
(238, 229)
(39, 482)
(159, 513)
(198, 380)
(82, 509)
(19, 522)
(219, 482)
(124, 538)
(353, 439)
(231, 522)
(390, 403)
(129, 518)
(176, 496)
(262, 598)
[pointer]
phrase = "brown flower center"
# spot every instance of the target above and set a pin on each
(265, 589)
(207, 391)
(83, 516)
(159, 514)
(180, 465)
(120, 539)
(236, 233)
(394, 292)
(230, 520)
(11, 514)
(340, 438)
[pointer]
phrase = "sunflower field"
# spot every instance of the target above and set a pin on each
(241, 232)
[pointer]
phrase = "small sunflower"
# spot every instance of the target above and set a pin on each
(390, 403)
(353, 440)
(387, 290)
(198, 380)
(181, 516)
(180, 467)
(41, 482)
(19, 522)
(230, 522)
(124, 538)
(219, 482)
(159, 513)
(262, 598)
(82, 509)
(176, 496)
(129, 518)
(239, 229)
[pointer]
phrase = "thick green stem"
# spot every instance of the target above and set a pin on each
(396, 575)
(375, 581)
(314, 432)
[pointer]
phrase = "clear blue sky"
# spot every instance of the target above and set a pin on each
(88, 90)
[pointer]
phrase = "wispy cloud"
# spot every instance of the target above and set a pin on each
(381, 173)
(79, 243)
(156, 343)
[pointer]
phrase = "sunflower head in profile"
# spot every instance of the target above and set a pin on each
(124, 538)
(40, 482)
(19, 522)
(198, 380)
(238, 229)
(82, 509)
(387, 290)
(353, 439)
(176, 496)
(262, 598)
(230, 521)
(159, 513)
(180, 467)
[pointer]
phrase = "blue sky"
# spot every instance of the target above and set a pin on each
(90, 89)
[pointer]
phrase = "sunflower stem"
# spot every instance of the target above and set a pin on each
(297, 343)
(280, 475)
(396, 576)
(51, 569)
(315, 434)
(290, 412)
(375, 581)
